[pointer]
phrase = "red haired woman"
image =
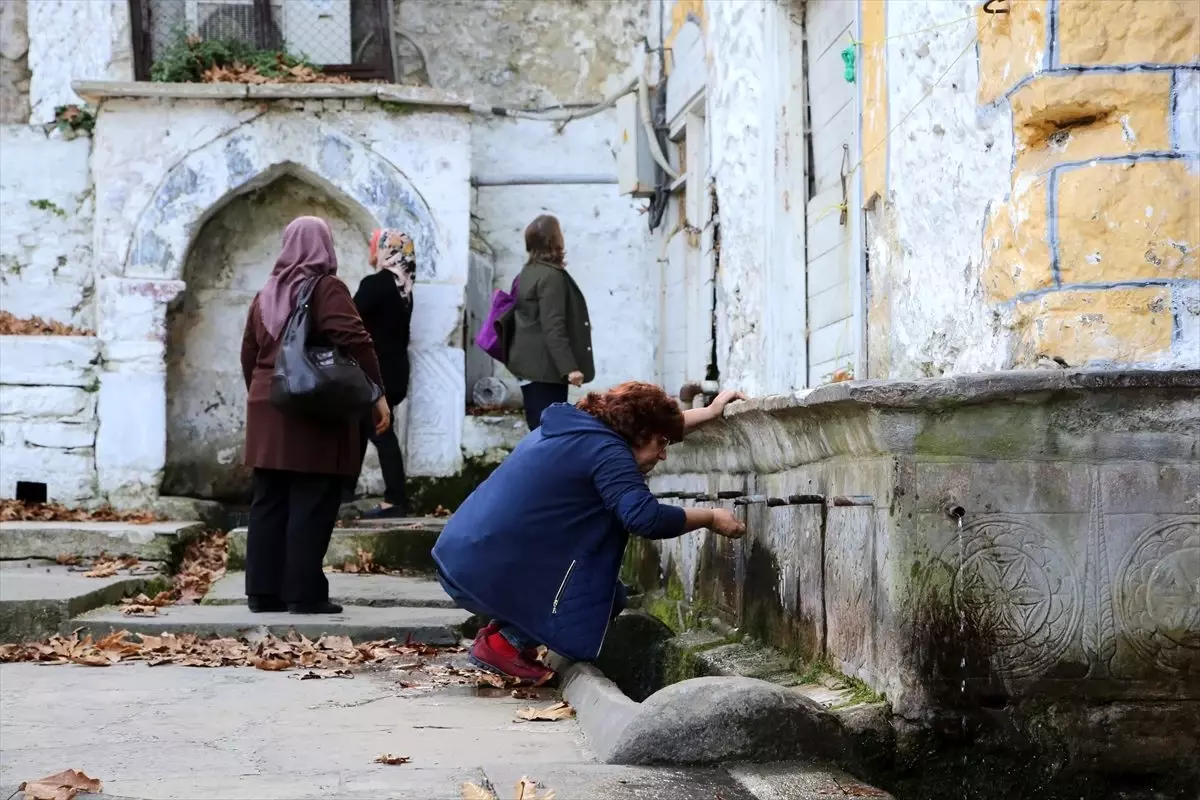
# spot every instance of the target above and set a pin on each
(537, 547)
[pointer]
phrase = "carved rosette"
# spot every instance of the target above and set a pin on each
(1158, 595)
(1018, 592)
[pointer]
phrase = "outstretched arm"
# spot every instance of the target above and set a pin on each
(695, 417)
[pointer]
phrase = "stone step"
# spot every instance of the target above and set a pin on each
(37, 597)
(380, 591)
(395, 544)
(156, 541)
(438, 626)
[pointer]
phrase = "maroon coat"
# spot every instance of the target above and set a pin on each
(275, 440)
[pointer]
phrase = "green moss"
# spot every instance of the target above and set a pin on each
(425, 495)
(48, 205)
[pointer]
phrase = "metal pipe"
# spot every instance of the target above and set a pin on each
(543, 180)
(955, 512)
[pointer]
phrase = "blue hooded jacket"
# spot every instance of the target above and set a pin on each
(539, 543)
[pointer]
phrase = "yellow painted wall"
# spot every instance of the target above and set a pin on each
(1103, 221)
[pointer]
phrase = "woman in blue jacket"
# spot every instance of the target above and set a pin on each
(537, 547)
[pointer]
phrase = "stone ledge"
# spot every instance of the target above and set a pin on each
(96, 92)
(1037, 415)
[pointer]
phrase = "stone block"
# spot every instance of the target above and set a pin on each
(1061, 118)
(437, 314)
(135, 310)
(436, 410)
(1099, 32)
(1012, 46)
(1016, 243)
(1129, 221)
(1125, 326)
(850, 585)
(131, 442)
(69, 475)
(380, 591)
(311, 91)
(491, 438)
(48, 360)
(155, 541)
(54, 402)
(403, 545)
(37, 597)
(1186, 121)
(60, 436)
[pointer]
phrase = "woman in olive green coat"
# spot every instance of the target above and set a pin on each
(551, 346)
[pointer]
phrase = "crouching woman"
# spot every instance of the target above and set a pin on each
(537, 547)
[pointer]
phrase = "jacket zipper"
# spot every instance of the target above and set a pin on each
(562, 588)
(607, 625)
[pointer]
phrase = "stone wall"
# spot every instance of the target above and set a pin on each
(46, 234)
(75, 40)
(14, 62)
(48, 415)
(994, 541)
(1022, 197)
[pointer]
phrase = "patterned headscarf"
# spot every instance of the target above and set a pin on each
(397, 254)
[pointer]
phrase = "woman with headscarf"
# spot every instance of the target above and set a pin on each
(300, 464)
(385, 301)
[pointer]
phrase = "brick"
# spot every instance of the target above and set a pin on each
(1016, 252)
(1093, 32)
(1129, 221)
(1060, 118)
(1012, 46)
(1113, 326)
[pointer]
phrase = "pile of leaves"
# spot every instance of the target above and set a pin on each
(65, 785)
(257, 649)
(191, 59)
(365, 564)
(203, 564)
(53, 512)
(12, 325)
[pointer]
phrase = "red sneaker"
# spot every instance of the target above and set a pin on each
(496, 654)
(487, 630)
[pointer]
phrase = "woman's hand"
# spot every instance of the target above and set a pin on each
(723, 399)
(726, 524)
(575, 378)
(382, 415)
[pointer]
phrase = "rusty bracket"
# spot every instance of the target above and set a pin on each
(987, 7)
(847, 501)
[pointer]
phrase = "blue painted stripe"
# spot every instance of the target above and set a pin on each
(1036, 294)
(1080, 69)
(1173, 139)
(1052, 227)
(1051, 60)
(1129, 158)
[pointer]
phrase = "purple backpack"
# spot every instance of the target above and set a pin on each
(496, 334)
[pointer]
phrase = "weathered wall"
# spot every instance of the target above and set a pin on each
(14, 62)
(48, 415)
(518, 53)
(1024, 216)
(522, 54)
(45, 226)
(947, 162)
(401, 168)
(74, 40)
(229, 262)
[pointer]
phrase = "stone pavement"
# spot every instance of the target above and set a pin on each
(161, 733)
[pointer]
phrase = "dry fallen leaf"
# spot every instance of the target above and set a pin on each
(55, 512)
(66, 560)
(272, 663)
(60, 786)
(139, 610)
(525, 694)
(313, 675)
(558, 711)
(472, 792)
(392, 760)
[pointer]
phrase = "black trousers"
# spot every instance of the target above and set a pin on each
(391, 462)
(291, 521)
(540, 396)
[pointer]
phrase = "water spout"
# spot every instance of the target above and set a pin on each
(956, 512)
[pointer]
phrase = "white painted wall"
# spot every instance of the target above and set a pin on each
(947, 162)
(45, 226)
(72, 40)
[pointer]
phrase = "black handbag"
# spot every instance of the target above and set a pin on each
(317, 380)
